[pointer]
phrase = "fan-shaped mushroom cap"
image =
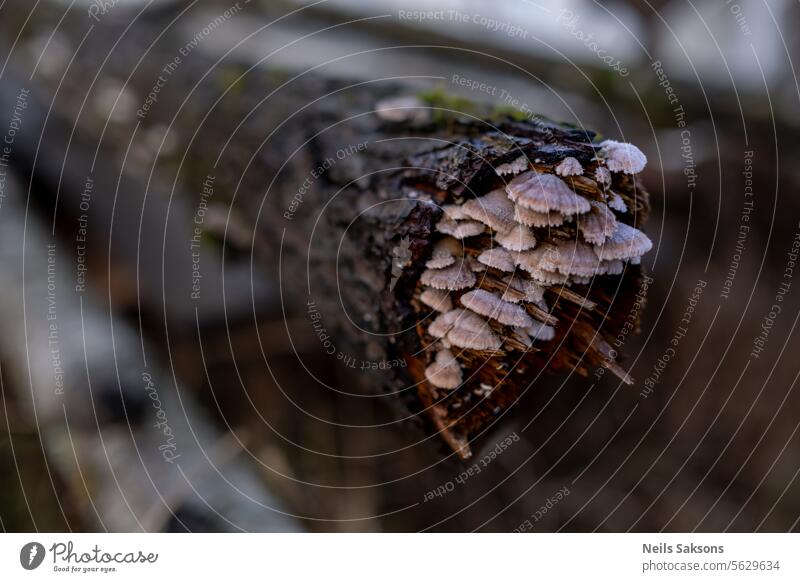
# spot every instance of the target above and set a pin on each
(437, 299)
(571, 257)
(530, 217)
(636, 261)
(598, 224)
(494, 210)
(488, 304)
(545, 192)
(521, 336)
(454, 212)
(520, 238)
(610, 267)
(474, 340)
(445, 371)
(498, 258)
(465, 319)
(578, 280)
(513, 167)
(626, 243)
(616, 202)
(452, 278)
(569, 167)
(540, 331)
(602, 175)
(531, 262)
(445, 253)
(439, 327)
(623, 157)
(460, 229)
(532, 292)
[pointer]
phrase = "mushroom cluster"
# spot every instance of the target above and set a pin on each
(542, 229)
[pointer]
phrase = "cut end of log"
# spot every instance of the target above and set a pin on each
(524, 296)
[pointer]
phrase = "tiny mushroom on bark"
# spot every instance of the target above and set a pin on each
(513, 167)
(437, 299)
(545, 192)
(445, 371)
(451, 278)
(626, 243)
(569, 167)
(598, 224)
(497, 258)
(520, 238)
(490, 305)
(494, 210)
(623, 157)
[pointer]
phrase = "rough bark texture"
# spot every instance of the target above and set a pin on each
(326, 190)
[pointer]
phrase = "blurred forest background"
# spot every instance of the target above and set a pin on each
(705, 439)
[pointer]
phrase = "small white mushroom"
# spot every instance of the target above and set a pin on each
(611, 267)
(520, 238)
(530, 217)
(569, 167)
(578, 280)
(461, 229)
(454, 211)
(494, 210)
(571, 257)
(636, 261)
(616, 202)
(490, 305)
(445, 371)
(540, 331)
(465, 319)
(497, 258)
(452, 278)
(437, 299)
(513, 167)
(598, 224)
(472, 340)
(602, 175)
(530, 261)
(623, 157)
(530, 290)
(626, 243)
(545, 192)
(439, 327)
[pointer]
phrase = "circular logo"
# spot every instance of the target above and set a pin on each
(31, 555)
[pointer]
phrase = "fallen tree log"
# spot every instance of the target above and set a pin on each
(349, 190)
